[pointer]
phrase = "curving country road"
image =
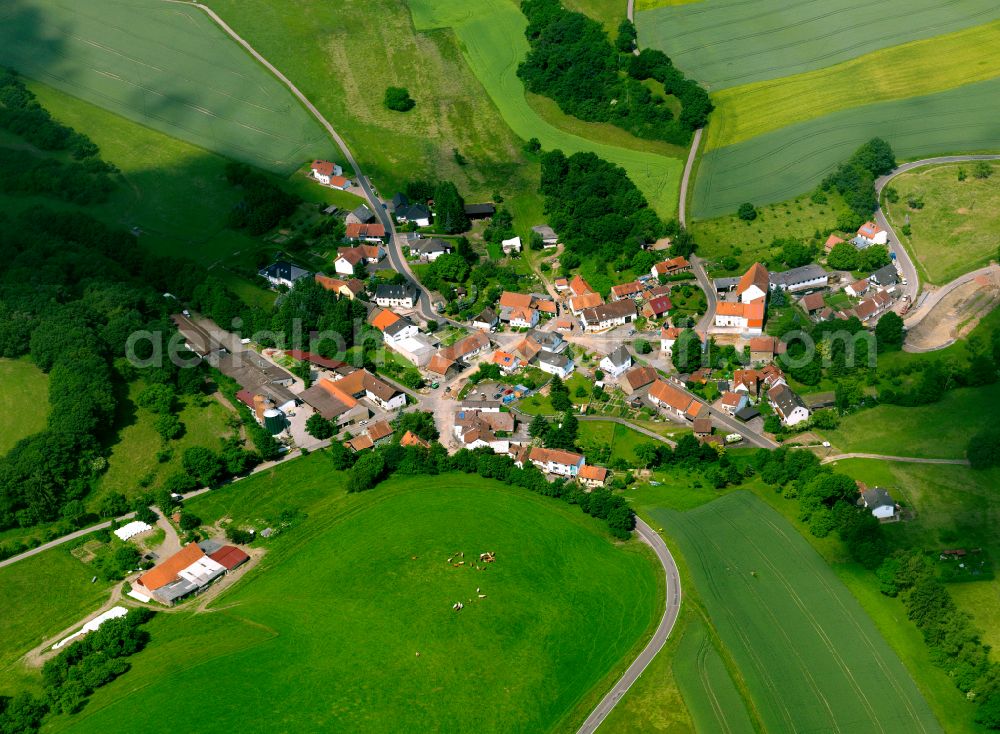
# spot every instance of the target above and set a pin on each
(663, 630)
(424, 305)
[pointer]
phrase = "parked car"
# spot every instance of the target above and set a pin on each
(497, 396)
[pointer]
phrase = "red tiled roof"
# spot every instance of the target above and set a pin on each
(323, 168)
(579, 286)
(229, 556)
(757, 275)
(411, 439)
(593, 473)
(384, 319)
(509, 299)
(168, 571)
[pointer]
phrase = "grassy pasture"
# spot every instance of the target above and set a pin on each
(958, 228)
(32, 612)
(781, 164)
(621, 439)
(809, 655)
(165, 65)
(917, 68)
(25, 390)
(345, 600)
(940, 430)
(725, 43)
(491, 35)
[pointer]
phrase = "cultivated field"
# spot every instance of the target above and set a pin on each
(958, 228)
(909, 70)
(165, 65)
(724, 43)
(809, 655)
(491, 34)
(25, 391)
(781, 164)
(351, 615)
(32, 612)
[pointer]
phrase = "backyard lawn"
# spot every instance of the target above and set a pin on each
(26, 401)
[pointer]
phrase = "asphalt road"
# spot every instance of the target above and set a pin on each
(660, 636)
(906, 267)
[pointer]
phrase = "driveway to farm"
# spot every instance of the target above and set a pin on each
(663, 630)
(903, 259)
(883, 457)
(424, 307)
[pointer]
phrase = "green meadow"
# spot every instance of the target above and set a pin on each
(807, 652)
(348, 623)
(167, 66)
(25, 390)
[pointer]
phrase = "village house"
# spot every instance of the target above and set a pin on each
(787, 404)
(874, 305)
(476, 428)
(673, 266)
(520, 318)
(747, 317)
(556, 461)
(870, 234)
(561, 284)
(578, 286)
(812, 303)
(431, 249)
(548, 340)
(608, 315)
(511, 245)
(658, 307)
(283, 273)
(637, 378)
(417, 214)
(591, 476)
(799, 279)
(396, 296)
(673, 401)
(329, 174)
(747, 381)
(487, 320)
(702, 426)
(349, 257)
(858, 288)
(885, 276)
(754, 284)
(731, 402)
(368, 232)
(467, 347)
(763, 348)
(555, 364)
(548, 235)
(626, 290)
(507, 362)
(349, 288)
(587, 300)
(616, 363)
(878, 501)
(411, 439)
(831, 242)
(378, 433)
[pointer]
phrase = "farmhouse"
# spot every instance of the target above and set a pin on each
(349, 257)
(754, 284)
(813, 302)
(587, 300)
(747, 317)
(467, 347)
(475, 428)
(431, 249)
(871, 234)
(578, 286)
(747, 381)
(799, 279)
(372, 232)
(670, 267)
(787, 404)
(337, 398)
(592, 476)
(185, 573)
(608, 315)
(487, 320)
(872, 306)
(548, 235)
(673, 401)
(396, 296)
(733, 401)
(858, 288)
(616, 363)
(361, 214)
(480, 211)
(657, 307)
(555, 364)
(349, 288)
(283, 273)
(637, 378)
(324, 171)
(626, 290)
(556, 461)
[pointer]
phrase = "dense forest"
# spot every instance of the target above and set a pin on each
(573, 61)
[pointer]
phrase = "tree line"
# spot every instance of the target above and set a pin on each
(572, 60)
(855, 181)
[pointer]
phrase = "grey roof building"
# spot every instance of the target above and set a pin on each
(283, 272)
(885, 276)
(363, 214)
(807, 276)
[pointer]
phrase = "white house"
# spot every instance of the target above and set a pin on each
(871, 234)
(754, 284)
(283, 273)
(486, 320)
(475, 428)
(616, 363)
(384, 395)
(396, 296)
(881, 504)
(747, 317)
(668, 335)
(416, 348)
(511, 245)
(525, 318)
(399, 329)
(323, 171)
(799, 279)
(556, 461)
(787, 405)
(431, 249)
(858, 288)
(417, 214)
(555, 364)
